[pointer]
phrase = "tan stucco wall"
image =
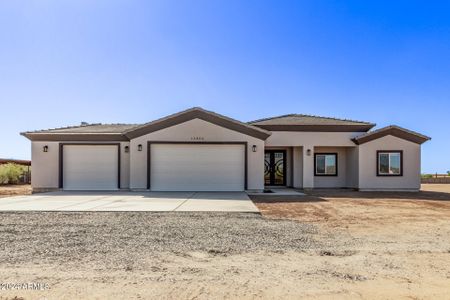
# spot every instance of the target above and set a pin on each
(357, 164)
(297, 156)
(368, 179)
(333, 181)
(44, 165)
(124, 166)
(185, 132)
(323, 139)
(352, 167)
(310, 140)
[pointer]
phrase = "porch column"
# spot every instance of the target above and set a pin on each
(308, 166)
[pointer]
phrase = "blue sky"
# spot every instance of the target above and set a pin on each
(63, 62)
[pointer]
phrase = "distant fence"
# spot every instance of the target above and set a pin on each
(25, 178)
(436, 178)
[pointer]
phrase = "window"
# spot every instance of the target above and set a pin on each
(325, 164)
(389, 163)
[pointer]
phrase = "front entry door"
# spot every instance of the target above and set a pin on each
(275, 167)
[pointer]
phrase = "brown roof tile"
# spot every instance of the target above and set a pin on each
(300, 122)
(301, 119)
(393, 130)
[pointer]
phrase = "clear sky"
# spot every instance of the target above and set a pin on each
(63, 62)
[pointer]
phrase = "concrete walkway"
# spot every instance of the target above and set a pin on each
(131, 201)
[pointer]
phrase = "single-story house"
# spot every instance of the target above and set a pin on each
(199, 150)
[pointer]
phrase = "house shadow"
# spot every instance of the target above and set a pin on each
(361, 195)
(286, 198)
(324, 195)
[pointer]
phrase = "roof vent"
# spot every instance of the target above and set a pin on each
(84, 123)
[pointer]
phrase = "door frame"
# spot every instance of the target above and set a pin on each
(149, 143)
(272, 151)
(61, 161)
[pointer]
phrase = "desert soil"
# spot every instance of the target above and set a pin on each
(14, 190)
(328, 244)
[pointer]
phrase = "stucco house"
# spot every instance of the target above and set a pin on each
(199, 150)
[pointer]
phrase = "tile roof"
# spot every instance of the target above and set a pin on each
(301, 119)
(393, 130)
(291, 122)
(89, 128)
(122, 132)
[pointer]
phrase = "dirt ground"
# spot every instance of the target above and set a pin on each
(368, 246)
(14, 190)
(404, 240)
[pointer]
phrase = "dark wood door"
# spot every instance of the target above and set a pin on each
(275, 167)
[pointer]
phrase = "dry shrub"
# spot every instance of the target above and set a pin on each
(10, 173)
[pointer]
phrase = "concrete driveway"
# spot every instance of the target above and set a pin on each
(131, 201)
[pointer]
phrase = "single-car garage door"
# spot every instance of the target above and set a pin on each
(90, 167)
(197, 167)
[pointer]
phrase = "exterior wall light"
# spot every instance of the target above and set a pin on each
(254, 148)
(140, 147)
(127, 149)
(45, 148)
(308, 152)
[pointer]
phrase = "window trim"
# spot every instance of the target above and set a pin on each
(315, 164)
(389, 152)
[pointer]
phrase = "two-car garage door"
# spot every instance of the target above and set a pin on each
(197, 167)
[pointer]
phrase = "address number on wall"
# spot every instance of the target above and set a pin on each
(197, 138)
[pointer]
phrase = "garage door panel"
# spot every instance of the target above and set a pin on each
(197, 167)
(90, 167)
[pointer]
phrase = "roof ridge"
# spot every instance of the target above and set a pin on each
(128, 124)
(271, 118)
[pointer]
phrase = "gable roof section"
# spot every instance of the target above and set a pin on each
(198, 113)
(125, 132)
(393, 130)
(301, 122)
(84, 132)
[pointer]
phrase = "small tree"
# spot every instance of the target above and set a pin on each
(448, 173)
(10, 173)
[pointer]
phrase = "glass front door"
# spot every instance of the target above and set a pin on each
(275, 167)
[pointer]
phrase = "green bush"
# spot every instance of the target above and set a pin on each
(427, 176)
(10, 173)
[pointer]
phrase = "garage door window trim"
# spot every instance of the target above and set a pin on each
(61, 156)
(149, 143)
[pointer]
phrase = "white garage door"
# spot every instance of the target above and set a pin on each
(188, 167)
(90, 167)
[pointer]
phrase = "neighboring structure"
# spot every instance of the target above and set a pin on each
(21, 162)
(198, 150)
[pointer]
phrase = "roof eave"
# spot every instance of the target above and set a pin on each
(63, 137)
(392, 130)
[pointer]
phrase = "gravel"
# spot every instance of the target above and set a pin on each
(118, 238)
